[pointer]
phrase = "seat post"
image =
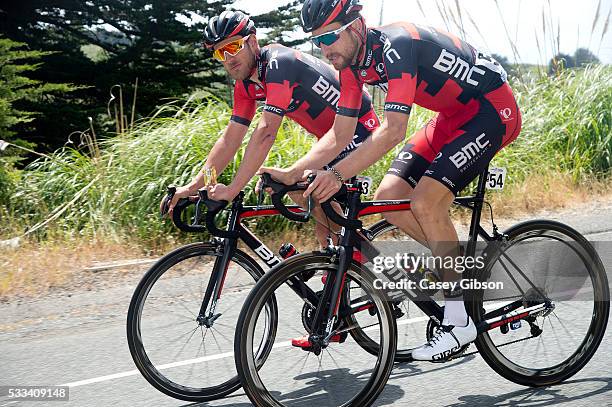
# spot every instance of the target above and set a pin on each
(476, 211)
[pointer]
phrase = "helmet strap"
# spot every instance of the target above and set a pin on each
(363, 38)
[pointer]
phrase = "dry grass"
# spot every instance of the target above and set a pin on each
(35, 269)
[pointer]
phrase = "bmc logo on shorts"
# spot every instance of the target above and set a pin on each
(469, 151)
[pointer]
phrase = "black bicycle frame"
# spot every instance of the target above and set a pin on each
(227, 241)
(353, 231)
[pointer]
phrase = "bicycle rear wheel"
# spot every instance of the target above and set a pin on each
(175, 352)
(342, 373)
(543, 261)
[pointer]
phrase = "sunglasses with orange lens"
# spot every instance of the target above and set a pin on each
(231, 48)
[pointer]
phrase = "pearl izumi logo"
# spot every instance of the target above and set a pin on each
(404, 156)
(273, 62)
(469, 151)
(506, 113)
(370, 124)
(448, 63)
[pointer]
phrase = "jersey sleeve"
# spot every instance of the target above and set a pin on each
(401, 65)
(351, 93)
(280, 81)
(244, 106)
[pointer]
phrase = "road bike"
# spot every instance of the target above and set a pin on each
(540, 330)
(182, 315)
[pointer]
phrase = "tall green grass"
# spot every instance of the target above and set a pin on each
(114, 192)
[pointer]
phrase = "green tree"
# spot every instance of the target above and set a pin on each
(583, 56)
(283, 23)
(15, 62)
(97, 44)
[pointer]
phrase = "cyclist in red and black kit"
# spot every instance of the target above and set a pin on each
(290, 83)
(477, 115)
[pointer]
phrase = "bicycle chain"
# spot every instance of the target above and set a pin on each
(503, 344)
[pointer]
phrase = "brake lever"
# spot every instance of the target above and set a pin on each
(170, 191)
(261, 195)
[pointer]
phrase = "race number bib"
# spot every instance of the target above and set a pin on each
(366, 184)
(496, 178)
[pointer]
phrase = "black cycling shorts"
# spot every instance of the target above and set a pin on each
(455, 149)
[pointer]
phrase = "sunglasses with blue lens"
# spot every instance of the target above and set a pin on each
(330, 37)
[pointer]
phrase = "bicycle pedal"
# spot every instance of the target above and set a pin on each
(397, 312)
(302, 342)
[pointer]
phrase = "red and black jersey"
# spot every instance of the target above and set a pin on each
(422, 65)
(298, 85)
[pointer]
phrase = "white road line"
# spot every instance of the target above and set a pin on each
(215, 357)
(161, 367)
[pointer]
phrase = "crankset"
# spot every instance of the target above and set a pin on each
(308, 314)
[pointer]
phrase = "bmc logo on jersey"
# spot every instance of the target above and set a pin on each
(469, 151)
(327, 91)
(390, 53)
(397, 107)
(449, 63)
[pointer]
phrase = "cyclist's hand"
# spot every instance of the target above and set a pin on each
(324, 186)
(221, 192)
(286, 176)
(181, 192)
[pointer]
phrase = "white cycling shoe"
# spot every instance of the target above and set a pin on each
(447, 340)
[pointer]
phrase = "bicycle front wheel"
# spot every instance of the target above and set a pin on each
(342, 373)
(177, 353)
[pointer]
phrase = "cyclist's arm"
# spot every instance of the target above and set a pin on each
(388, 135)
(329, 146)
(226, 147)
(222, 153)
(257, 150)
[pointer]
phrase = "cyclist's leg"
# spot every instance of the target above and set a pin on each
(393, 187)
(479, 133)
(406, 172)
(323, 227)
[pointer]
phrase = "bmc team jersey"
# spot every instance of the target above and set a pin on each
(299, 86)
(477, 112)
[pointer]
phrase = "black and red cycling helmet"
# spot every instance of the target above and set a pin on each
(318, 13)
(227, 24)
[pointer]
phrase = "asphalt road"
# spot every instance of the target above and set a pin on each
(80, 341)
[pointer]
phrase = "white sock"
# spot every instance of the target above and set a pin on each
(455, 313)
